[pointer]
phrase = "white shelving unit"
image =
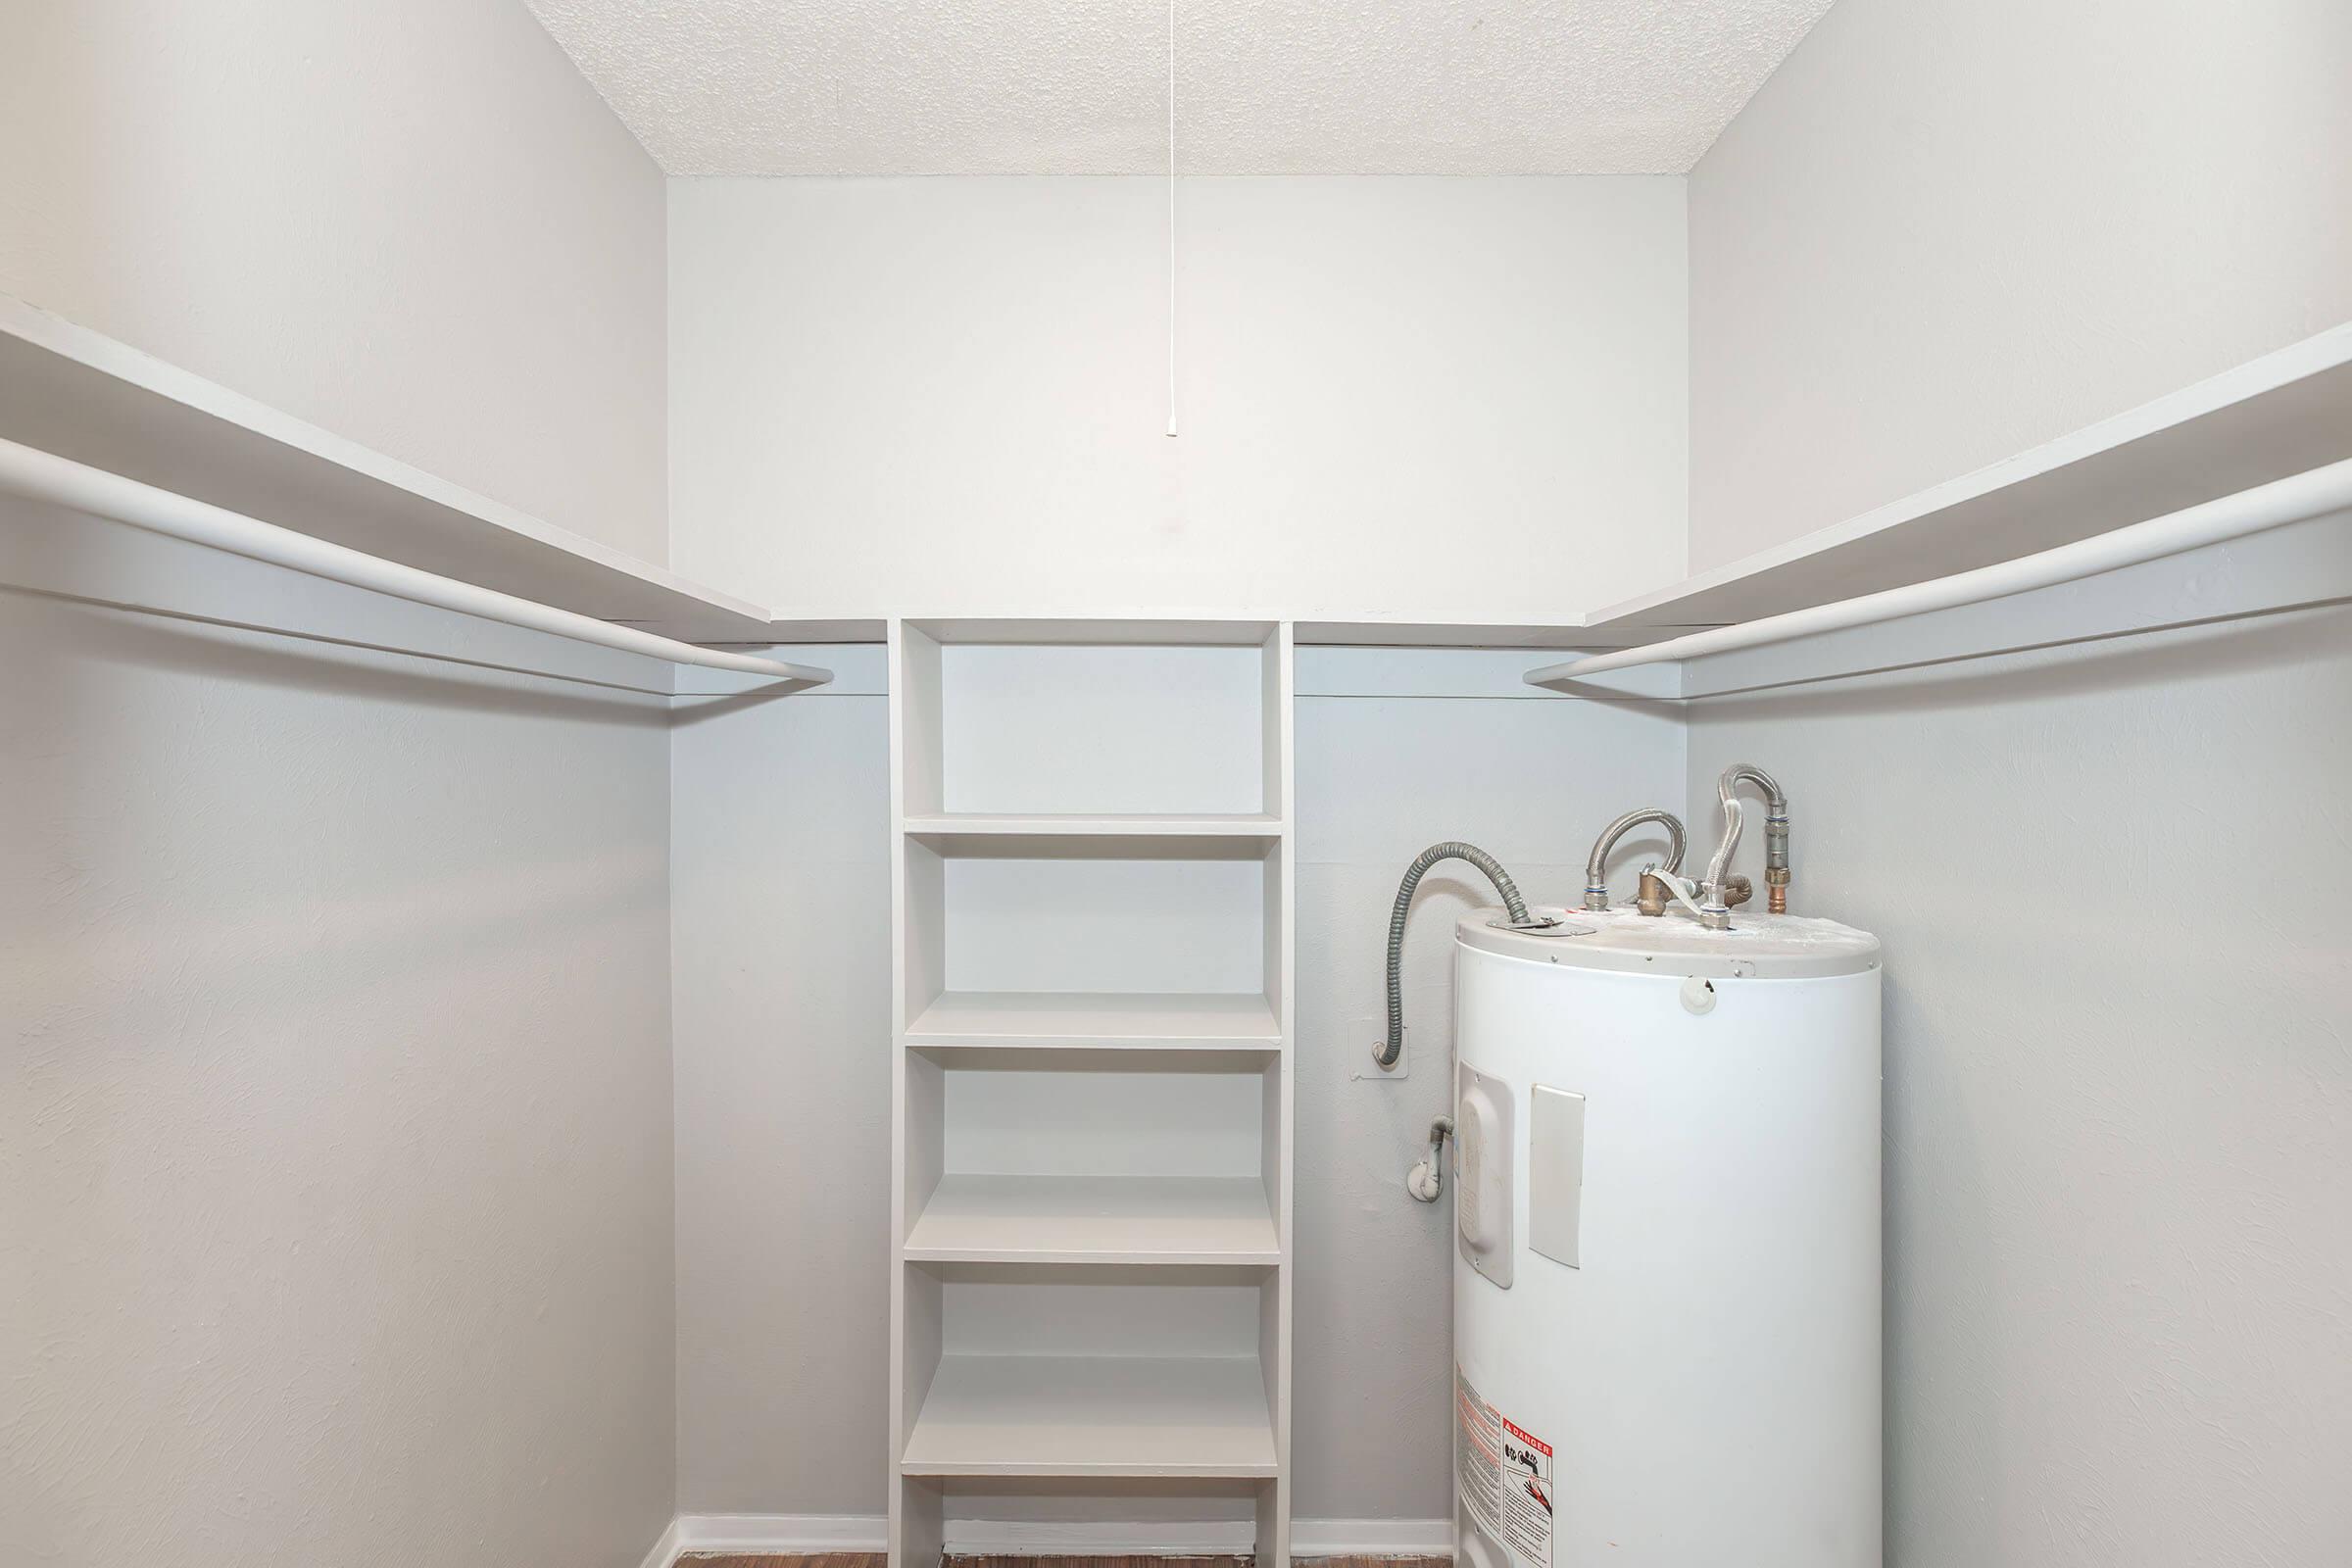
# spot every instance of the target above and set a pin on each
(1093, 1010)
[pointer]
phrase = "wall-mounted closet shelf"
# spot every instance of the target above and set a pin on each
(2284, 414)
(1393, 633)
(66, 390)
(82, 396)
(2298, 498)
(47, 479)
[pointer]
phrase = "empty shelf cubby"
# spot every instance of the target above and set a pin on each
(1088, 1372)
(1155, 940)
(1127, 1156)
(1085, 719)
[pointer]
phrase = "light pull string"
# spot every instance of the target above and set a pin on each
(1171, 217)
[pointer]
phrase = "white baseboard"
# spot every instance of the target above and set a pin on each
(667, 1548)
(783, 1532)
(832, 1531)
(1309, 1537)
(1372, 1538)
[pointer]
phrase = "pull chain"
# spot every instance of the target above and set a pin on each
(1171, 217)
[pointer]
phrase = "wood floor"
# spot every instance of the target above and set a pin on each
(875, 1559)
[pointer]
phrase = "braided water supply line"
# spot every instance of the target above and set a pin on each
(1716, 913)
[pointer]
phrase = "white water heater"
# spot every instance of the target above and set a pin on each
(1666, 1278)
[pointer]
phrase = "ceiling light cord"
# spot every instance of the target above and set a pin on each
(1171, 217)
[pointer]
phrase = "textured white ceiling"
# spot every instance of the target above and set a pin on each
(1263, 86)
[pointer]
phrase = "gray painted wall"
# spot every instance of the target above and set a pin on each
(2119, 1047)
(1397, 751)
(780, 923)
(781, 951)
(334, 1077)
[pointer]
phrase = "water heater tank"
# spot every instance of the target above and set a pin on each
(1666, 1276)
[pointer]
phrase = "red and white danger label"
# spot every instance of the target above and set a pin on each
(1503, 1474)
(1527, 1494)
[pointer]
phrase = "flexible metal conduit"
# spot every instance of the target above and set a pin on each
(44, 476)
(2267, 505)
(1387, 1052)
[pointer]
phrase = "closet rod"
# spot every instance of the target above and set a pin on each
(44, 476)
(2293, 498)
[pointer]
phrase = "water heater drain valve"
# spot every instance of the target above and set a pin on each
(1425, 1181)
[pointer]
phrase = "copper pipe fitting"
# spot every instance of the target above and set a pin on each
(1653, 897)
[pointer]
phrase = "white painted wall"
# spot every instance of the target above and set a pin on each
(1943, 233)
(781, 955)
(1435, 399)
(334, 1077)
(2118, 1163)
(413, 224)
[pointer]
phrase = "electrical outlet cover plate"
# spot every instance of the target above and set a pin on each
(1369, 1066)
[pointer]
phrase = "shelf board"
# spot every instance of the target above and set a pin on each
(1079, 1416)
(1065, 1019)
(975, 1218)
(1235, 836)
(83, 396)
(2281, 414)
(1098, 631)
(1569, 634)
(1100, 1058)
